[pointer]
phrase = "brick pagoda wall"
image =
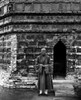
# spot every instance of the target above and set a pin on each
(8, 52)
(33, 24)
(31, 44)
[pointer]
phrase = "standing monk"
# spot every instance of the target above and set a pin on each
(43, 68)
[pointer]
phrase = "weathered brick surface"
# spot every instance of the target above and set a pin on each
(24, 34)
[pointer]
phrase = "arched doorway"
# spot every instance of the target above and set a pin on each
(59, 67)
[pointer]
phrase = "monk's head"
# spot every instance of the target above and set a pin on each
(43, 51)
(24, 57)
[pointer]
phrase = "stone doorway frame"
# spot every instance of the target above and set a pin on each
(67, 39)
(65, 55)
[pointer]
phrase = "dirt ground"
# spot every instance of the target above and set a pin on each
(63, 92)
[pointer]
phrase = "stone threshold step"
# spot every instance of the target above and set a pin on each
(54, 81)
(35, 81)
(63, 81)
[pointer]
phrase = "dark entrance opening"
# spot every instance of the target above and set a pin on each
(59, 68)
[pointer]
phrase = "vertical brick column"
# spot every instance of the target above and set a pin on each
(8, 51)
(13, 52)
(78, 54)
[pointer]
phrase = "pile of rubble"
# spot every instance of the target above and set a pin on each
(23, 82)
(4, 77)
(15, 81)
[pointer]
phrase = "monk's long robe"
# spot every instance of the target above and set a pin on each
(44, 74)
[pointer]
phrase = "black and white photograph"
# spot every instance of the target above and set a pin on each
(40, 49)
